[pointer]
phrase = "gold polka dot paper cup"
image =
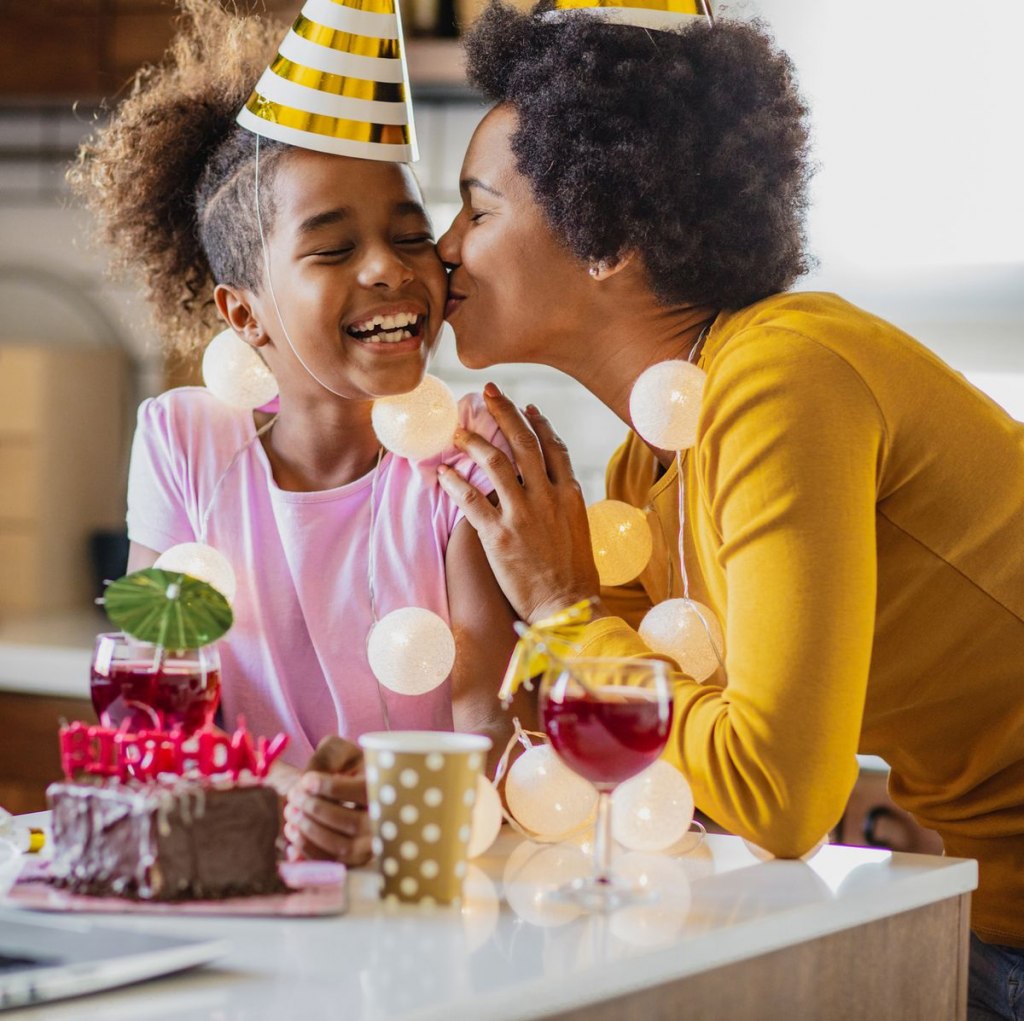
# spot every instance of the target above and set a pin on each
(422, 787)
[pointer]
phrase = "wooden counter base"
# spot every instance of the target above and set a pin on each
(910, 967)
(29, 751)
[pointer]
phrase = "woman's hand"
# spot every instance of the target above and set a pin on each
(537, 539)
(325, 812)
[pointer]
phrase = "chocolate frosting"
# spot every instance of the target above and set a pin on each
(182, 840)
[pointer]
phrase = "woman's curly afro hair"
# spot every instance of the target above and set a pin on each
(689, 148)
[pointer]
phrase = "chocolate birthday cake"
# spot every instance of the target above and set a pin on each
(183, 839)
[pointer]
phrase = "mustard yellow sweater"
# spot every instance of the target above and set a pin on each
(855, 515)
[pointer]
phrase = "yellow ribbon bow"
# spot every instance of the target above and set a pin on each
(553, 638)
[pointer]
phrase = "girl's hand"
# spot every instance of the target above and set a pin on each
(325, 812)
(537, 539)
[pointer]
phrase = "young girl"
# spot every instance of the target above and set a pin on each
(172, 182)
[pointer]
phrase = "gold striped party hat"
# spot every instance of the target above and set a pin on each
(339, 84)
(657, 14)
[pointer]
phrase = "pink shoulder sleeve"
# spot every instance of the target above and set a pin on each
(157, 482)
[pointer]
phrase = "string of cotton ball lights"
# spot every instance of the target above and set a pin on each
(410, 650)
(621, 540)
(665, 408)
(548, 803)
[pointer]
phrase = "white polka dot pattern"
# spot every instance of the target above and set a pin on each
(421, 808)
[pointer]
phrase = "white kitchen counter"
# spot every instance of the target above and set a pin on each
(49, 653)
(508, 954)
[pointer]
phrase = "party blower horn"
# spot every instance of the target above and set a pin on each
(664, 15)
(339, 84)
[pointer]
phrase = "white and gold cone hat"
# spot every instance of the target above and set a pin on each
(339, 84)
(657, 14)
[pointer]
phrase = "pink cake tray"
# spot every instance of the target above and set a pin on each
(315, 888)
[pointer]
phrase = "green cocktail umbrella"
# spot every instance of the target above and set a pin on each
(168, 609)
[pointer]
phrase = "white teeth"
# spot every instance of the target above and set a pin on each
(392, 327)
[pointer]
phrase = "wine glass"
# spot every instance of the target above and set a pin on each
(151, 688)
(608, 720)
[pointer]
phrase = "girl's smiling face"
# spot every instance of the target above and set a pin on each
(359, 285)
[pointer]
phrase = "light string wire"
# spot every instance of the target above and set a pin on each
(682, 531)
(371, 560)
(205, 524)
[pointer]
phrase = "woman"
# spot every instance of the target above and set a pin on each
(854, 509)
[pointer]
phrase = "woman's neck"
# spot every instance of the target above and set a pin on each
(627, 342)
(320, 444)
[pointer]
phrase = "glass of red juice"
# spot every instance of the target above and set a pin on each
(607, 720)
(153, 689)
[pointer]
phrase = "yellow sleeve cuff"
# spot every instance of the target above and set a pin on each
(611, 636)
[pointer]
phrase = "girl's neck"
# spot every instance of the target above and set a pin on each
(320, 444)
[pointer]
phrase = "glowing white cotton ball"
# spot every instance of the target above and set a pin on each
(653, 810)
(545, 796)
(419, 424)
(685, 630)
(621, 539)
(665, 404)
(486, 818)
(762, 855)
(411, 650)
(202, 562)
(235, 373)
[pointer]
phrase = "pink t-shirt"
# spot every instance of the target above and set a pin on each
(295, 659)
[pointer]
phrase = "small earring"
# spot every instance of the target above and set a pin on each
(593, 271)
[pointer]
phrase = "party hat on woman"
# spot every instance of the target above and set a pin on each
(657, 14)
(339, 84)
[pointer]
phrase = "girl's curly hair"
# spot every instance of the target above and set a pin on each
(688, 147)
(169, 178)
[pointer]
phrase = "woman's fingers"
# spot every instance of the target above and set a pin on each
(521, 437)
(478, 509)
(494, 462)
(556, 453)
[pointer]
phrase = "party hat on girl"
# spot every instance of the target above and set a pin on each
(657, 14)
(339, 84)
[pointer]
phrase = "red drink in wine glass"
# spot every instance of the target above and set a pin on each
(609, 738)
(130, 682)
(607, 720)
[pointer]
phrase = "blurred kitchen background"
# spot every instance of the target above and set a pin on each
(918, 215)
